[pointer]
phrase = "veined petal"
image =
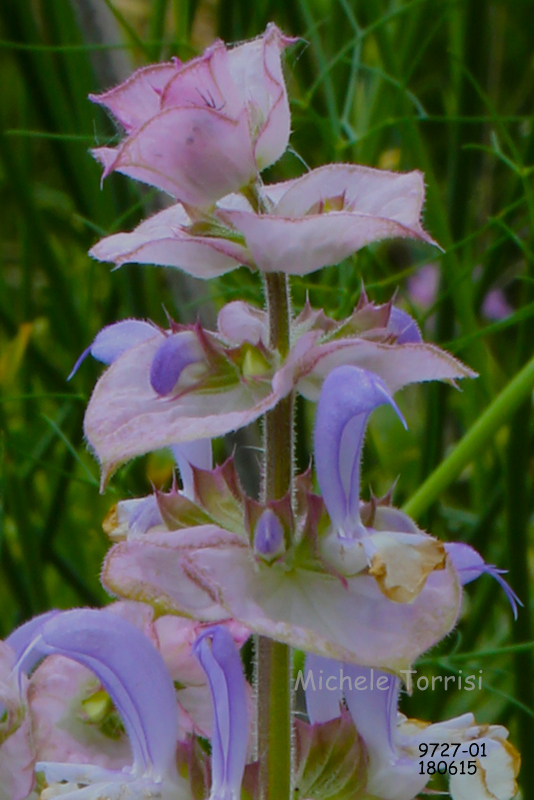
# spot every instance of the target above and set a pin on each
(398, 196)
(195, 154)
(470, 565)
(348, 397)
(137, 99)
(302, 235)
(205, 81)
(305, 244)
(164, 239)
(144, 573)
(221, 662)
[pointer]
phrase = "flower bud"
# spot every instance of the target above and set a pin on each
(269, 536)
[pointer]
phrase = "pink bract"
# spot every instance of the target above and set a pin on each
(205, 128)
(305, 224)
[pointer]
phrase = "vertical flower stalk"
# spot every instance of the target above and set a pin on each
(273, 659)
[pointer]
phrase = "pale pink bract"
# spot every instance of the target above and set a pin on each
(205, 128)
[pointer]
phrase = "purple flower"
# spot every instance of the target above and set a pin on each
(219, 657)
(114, 340)
(269, 535)
(182, 385)
(470, 565)
(392, 741)
(133, 673)
(348, 397)
(389, 545)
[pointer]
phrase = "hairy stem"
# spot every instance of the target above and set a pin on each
(273, 660)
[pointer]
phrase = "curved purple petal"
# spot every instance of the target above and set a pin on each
(131, 670)
(349, 395)
(173, 355)
(373, 707)
(219, 657)
(470, 565)
(24, 635)
(197, 453)
(268, 534)
(404, 327)
(322, 702)
(114, 340)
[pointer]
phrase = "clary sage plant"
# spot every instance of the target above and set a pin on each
(148, 698)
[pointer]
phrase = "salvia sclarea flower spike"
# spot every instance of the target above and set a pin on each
(290, 575)
(172, 386)
(393, 741)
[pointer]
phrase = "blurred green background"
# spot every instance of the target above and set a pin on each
(445, 86)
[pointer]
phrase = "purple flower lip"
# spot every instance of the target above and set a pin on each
(176, 353)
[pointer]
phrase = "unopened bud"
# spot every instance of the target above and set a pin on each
(269, 536)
